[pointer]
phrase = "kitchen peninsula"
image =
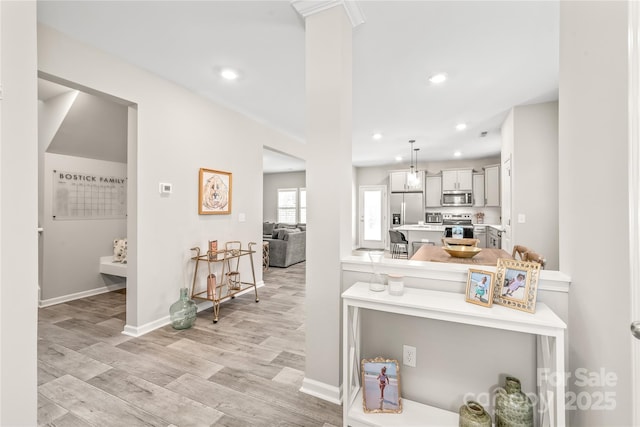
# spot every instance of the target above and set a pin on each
(487, 256)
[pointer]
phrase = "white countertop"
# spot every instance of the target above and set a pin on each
(439, 227)
(416, 227)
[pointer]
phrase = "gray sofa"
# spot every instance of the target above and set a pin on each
(287, 243)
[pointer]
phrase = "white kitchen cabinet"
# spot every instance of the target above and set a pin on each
(398, 182)
(492, 185)
(433, 186)
(478, 189)
(548, 328)
(494, 238)
(457, 179)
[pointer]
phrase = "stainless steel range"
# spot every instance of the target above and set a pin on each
(458, 225)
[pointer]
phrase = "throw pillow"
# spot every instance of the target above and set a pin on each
(120, 250)
(281, 233)
(274, 235)
(267, 228)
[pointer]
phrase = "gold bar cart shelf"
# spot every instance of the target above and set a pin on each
(229, 283)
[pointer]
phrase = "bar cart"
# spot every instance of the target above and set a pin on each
(230, 283)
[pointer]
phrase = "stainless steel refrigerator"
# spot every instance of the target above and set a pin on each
(406, 208)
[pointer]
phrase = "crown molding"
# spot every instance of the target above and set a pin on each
(308, 7)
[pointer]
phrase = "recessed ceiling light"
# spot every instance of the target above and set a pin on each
(438, 78)
(461, 126)
(398, 158)
(457, 154)
(377, 135)
(229, 74)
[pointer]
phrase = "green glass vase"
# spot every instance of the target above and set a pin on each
(472, 414)
(513, 407)
(183, 312)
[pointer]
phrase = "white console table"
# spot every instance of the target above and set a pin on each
(449, 307)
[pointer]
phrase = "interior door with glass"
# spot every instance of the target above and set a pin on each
(372, 207)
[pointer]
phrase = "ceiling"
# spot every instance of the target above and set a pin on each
(496, 54)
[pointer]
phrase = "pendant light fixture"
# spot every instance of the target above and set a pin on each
(412, 177)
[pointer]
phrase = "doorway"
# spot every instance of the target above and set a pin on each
(84, 189)
(372, 206)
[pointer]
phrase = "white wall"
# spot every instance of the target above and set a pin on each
(593, 176)
(531, 132)
(271, 183)
(177, 133)
(18, 215)
(72, 247)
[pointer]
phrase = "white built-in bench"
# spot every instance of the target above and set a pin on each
(107, 266)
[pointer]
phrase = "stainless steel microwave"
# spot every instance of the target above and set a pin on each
(457, 198)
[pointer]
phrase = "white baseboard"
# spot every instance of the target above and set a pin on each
(84, 294)
(322, 391)
(136, 331)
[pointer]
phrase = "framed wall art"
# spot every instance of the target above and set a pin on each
(381, 386)
(517, 284)
(214, 194)
(480, 286)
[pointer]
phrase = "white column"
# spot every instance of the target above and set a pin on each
(329, 192)
(593, 174)
(18, 214)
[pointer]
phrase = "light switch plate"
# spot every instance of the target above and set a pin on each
(242, 217)
(166, 188)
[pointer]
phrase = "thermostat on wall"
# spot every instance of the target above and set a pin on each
(165, 188)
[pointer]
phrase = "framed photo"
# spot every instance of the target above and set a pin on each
(214, 194)
(517, 284)
(480, 286)
(381, 385)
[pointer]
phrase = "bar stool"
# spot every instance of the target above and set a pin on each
(399, 244)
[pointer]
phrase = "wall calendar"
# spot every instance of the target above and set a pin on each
(88, 196)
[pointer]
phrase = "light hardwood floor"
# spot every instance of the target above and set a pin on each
(245, 370)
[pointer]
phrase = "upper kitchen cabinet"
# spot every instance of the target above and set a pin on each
(399, 184)
(492, 185)
(478, 190)
(457, 179)
(433, 187)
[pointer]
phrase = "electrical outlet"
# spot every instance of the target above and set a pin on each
(409, 356)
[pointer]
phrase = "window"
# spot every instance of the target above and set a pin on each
(287, 205)
(292, 205)
(303, 205)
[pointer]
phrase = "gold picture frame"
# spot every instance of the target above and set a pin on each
(480, 286)
(214, 192)
(381, 386)
(517, 284)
